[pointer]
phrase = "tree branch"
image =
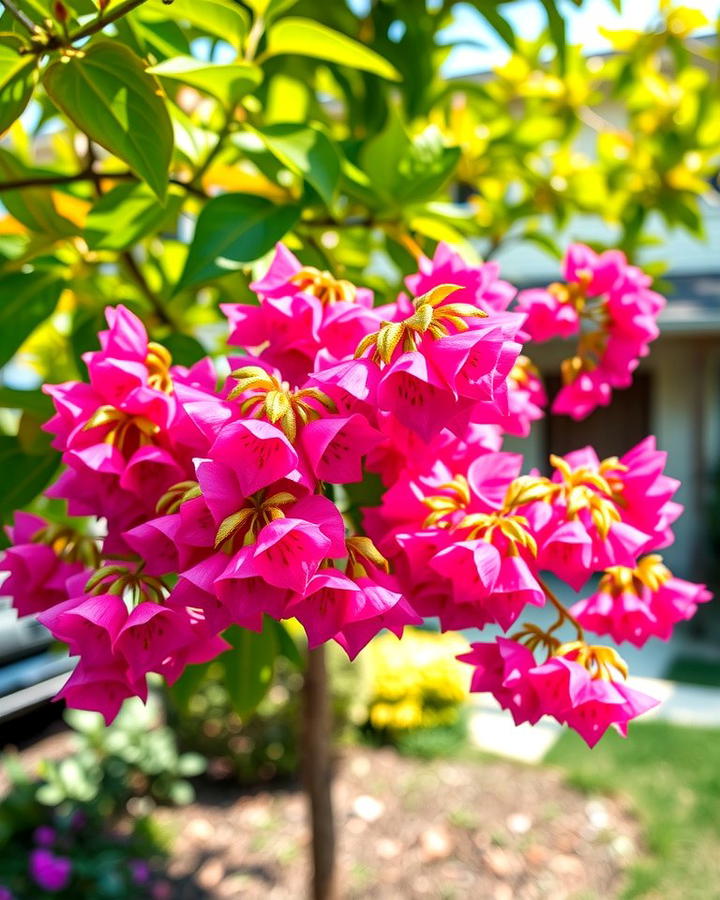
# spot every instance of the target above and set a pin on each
(101, 21)
(21, 17)
(137, 276)
(88, 175)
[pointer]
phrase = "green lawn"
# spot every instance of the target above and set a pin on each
(671, 775)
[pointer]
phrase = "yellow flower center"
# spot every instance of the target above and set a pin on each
(124, 431)
(158, 362)
(273, 400)
(430, 317)
(242, 528)
(324, 286)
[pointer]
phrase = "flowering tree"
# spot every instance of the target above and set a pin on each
(349, 472)
(222, 505)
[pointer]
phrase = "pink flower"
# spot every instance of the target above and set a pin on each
(39, 563)
(48, 871)
(150, 637)
(596, 272)
(547, 315)
(88, 625)
(582, 395)
(302, 312)
(634, 604)
(501, 668)
(589, 705)
(101, 688)
(480, 285)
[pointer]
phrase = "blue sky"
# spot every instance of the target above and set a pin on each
(528, 19)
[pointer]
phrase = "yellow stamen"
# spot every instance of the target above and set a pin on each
(430, 317)
(324, 286)
(158, 362)
(273, 400)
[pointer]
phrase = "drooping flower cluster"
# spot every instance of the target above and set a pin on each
(217, 506)
(610, 306)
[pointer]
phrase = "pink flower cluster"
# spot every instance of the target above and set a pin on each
(610, 306)
(216, 506)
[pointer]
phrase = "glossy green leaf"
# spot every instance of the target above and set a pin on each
(286, 645)
(108, 95)
(403, 170)
(248, 667)
(308, 152)
(184, 349)
(231, 231)
(33, 206)
(556, 27)
(125, 214)
(308, 38)
(30, 474)
(228, 84)
(18, 75)
(223, 18)
(34, 402)
(269, 9)
(499, 25)
(27, 299)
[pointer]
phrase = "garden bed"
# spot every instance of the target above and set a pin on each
(409, 828)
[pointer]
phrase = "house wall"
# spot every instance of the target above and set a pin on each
(685, 418)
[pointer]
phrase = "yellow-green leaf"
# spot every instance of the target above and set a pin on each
(228, 83)
(308, 38)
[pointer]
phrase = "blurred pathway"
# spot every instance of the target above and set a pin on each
(492, 729)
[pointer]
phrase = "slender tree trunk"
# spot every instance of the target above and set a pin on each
(317, 773)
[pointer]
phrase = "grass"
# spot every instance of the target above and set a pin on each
(671, 775)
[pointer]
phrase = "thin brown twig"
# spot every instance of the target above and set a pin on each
(138, 277)
(88, 175)
(563, 613)
(21, 16)
(102, 20)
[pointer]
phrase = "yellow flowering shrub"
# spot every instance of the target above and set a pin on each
(416, 682)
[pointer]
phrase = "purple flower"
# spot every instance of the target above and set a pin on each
(139, 871)
(44, 836)
(49, 871)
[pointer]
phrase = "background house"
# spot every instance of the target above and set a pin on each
(676, 391)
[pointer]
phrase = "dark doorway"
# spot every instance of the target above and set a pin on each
(611, 430)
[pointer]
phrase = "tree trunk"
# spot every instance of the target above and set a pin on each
(317, 774)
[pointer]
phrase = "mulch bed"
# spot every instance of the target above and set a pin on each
(409, 829)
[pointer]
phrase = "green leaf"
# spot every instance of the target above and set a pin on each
(308, 38)
(233, 230)
(222, 18)
(270, 9)
(182, 690)
(556, 27)
(30, 474)
(498, 24)
(27, 300)
(405, 171)
(34, 207)
(18, 75)
(125, 214)
(248, 667)
(308, 152)
(287, 646)
(229, 83)
(184, 349)
(108, 95)
(28, 401)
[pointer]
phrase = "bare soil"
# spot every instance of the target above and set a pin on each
(409, 829)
